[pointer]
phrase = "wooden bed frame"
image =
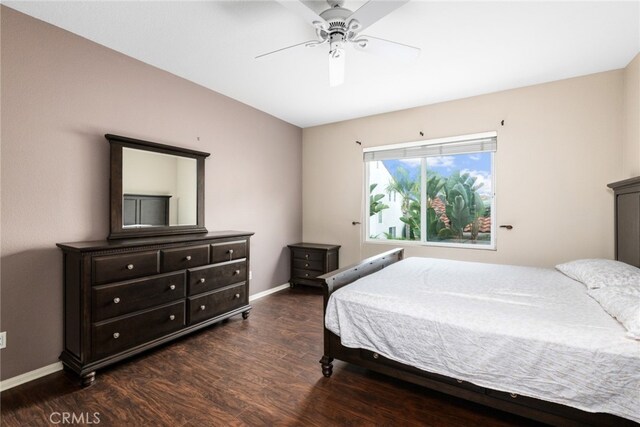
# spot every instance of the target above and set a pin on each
(539, 410)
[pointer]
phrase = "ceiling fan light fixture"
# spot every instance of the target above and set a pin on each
(336, 67)
(362, 43)
(339, 27)
(353, 25)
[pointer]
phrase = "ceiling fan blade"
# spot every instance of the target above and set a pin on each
(386, 48)
(302, 10)
(309, 43)
(336, 67)
(373, 10)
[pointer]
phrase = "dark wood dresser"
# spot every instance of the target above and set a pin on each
(310, 260)
(122, 297)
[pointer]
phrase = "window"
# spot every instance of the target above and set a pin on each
(437, 192)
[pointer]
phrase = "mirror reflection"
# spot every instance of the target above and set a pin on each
(158, 189)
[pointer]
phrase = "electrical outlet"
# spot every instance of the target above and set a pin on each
(250, 274)
(3, 339)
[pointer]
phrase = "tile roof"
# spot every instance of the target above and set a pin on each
(438, 205)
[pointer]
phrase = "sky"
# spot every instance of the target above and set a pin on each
(476, 164)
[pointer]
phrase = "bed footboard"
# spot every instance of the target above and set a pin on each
(342, 277)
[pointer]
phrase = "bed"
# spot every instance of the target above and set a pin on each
(525, 340)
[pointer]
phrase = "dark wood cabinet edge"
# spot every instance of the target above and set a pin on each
(630, 182)
(544, 411)
(132, 233)
(151, 241)
(317, 246)
(74, 364)
(155, 145)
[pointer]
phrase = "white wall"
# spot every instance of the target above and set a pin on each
(631, 119)
(559, 147)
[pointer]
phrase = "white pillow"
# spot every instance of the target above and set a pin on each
(598, 273)
(622, 303)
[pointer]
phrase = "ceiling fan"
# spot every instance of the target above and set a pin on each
(339, 28)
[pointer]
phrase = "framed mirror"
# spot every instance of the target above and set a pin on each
(156, 189)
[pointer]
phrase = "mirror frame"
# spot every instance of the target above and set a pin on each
(117, 230)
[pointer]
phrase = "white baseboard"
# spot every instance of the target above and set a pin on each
(30, 376)
(55, 367)
(268, 292)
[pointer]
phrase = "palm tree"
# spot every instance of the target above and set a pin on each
(409, 190)
(375, 203)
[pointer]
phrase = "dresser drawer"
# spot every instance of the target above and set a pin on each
(308, 254)
(125, 332)
(305, 264)
(228, 251)
(115, 268)
(215, 303)
(125, 297)
(181, 258)
(203, 279)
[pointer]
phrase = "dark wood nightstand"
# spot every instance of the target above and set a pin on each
(310, 260)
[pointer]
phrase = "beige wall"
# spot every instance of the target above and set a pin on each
(61, 94)
(631, 120)
(559, 147)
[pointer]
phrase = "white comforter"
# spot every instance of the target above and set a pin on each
(523, 330)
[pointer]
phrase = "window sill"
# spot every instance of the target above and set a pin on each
(431, 244)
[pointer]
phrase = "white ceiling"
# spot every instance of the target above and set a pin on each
(468, 48)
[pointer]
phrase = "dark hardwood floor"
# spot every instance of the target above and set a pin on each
(259, 372)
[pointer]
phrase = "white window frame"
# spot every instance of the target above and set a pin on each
(423, 184)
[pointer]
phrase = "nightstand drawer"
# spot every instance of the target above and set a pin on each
(305, 264)
(307, 254)
(228, 251)
(115, 268)
(212, 304)
(306, 274)
(126, 332)
(180, 258)
(204, 279)
(125, 297)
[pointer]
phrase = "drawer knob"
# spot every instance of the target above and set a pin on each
(376, 355)
(236, 296)
(306, 264)
(202, 280)
(129, 266)
(202, 307)
(116, 335)
(513, 395)
(172, 287)
(235, 273)
(188, 257)
(172, 317)
(460, 381)
(306, 256)
(230, 251)
(116, 300)
(306, 274)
